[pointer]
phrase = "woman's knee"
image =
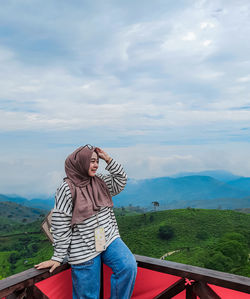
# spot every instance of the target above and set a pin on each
(129, 265)
(132, 266)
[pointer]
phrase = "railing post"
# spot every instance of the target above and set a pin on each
(204, 291)
(172, 290)
(190, 294)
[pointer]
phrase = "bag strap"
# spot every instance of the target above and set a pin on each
(72, 190)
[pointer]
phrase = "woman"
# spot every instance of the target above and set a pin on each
(84, 226)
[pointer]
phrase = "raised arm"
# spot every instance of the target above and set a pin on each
(117, 178)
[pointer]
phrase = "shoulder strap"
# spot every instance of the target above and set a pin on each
(72, 190)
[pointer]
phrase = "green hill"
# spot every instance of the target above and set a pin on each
(18, 213)
(195, 234)
(216, 239)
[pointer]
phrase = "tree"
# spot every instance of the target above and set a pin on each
(34, 247)
(234, 250)
(151, 218)
(218, 261)
(202, 235)
(14, 256)
(166, 232)
(230, 252)
(156, 204)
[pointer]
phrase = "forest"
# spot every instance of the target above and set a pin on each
(215, 239)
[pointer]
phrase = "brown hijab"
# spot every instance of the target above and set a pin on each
(89, 194)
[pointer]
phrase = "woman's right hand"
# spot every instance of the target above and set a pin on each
(48, 264)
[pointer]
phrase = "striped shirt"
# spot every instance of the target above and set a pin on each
(79, 243)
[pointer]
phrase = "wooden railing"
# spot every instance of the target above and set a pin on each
(194, 279)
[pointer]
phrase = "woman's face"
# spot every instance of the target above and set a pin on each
(94, 163)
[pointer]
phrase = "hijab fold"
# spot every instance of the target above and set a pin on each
(89, 194)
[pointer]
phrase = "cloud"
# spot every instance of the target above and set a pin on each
(189, 36)
(126, 76)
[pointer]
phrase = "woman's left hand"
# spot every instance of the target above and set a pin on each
(103, 155)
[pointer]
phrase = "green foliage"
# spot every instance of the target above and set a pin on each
(13, 257)
(229, 253)
(166, 232)
(19, 213)
(215, 239)
(218, 261)
(5, 265)
(30, 247)
(202, 236)
(128, 211)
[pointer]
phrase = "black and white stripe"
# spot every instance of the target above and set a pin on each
(79, 244)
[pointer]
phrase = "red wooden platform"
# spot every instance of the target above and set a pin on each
(148, 285)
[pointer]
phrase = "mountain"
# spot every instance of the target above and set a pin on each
(18, 213)
(200, 191)
(182, 192)
(241, 183)
(220, 175)
(14, 198)
(45, 204)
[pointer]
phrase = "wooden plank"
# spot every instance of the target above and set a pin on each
(226, 280)
(26, 279)
(235, 282)
(28, 293)
(172, 290)
(35, 292)
(204, 291)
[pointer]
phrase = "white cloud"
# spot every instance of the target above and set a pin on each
(244, 79)
(40, 173)
(189, 36)
(207, 43)
(172, 73)
(206, 25)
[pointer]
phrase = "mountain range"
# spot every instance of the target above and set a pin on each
(219, 189)
(188, 191)
(44, 204)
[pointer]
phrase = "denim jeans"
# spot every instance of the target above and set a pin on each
(86, 276)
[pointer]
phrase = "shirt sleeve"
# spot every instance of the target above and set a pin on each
(61, 222)
(116, 179)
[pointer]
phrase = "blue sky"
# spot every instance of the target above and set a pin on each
(163, 86)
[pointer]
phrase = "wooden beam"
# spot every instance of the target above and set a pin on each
(172, 290)
(190, 294)
(226, 280)
(204, 291)
(26, 279)
(35, 292)
(29, 277)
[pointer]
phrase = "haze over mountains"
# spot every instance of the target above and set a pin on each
(209, 189)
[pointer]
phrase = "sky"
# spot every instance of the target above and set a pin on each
(162, 86)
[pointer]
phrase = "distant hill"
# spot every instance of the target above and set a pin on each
(246, 210)
(196, 235)
(140, 232)
(11, 211)
(194, 191)
(220, 175)
(219, 190)
(195, 232)
(241, 183)
(45, 204)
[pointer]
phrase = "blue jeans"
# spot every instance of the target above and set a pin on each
(86, 276)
